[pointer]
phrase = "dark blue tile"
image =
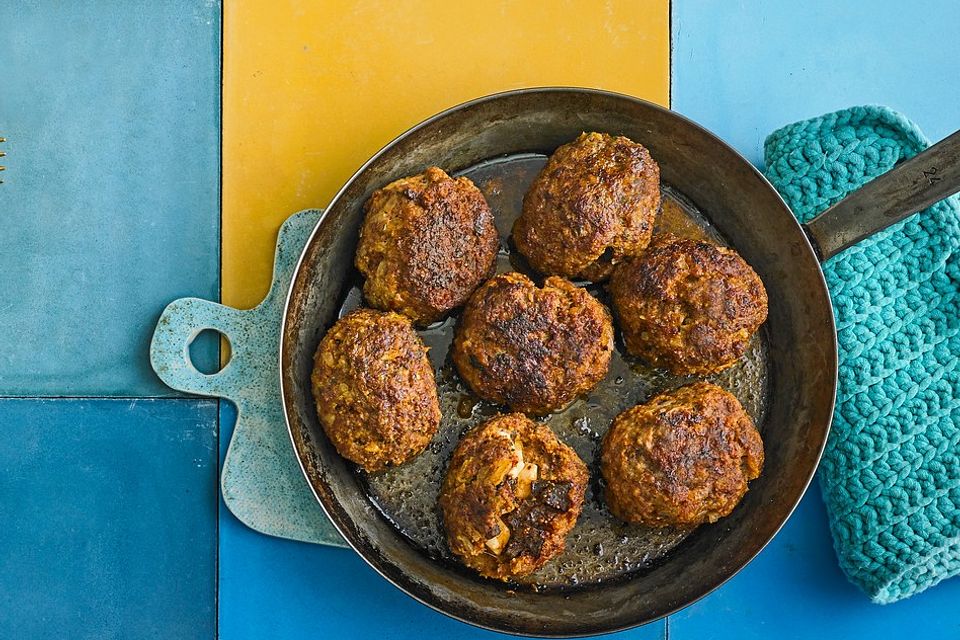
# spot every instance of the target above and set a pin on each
(109, 514)
(273, 588)
(794, 589)
(110, 201)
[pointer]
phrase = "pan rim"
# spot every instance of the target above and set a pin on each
(833, 347)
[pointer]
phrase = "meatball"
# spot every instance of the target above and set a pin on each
(426, 243)
(511, 494)
(593, 204)
(530, 348)
(374, 388)
(681, 459)
(688, 305)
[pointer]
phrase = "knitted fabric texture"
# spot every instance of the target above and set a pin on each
(890, 474)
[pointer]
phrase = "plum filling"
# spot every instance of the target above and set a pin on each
(533, 520)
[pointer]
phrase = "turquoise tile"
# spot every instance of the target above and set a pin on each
(273, 588)
(795, 590)
(745, 68)
(110, 201)
(109, 519)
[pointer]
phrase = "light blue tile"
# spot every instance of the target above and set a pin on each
(795, 590)
(745, 68)
(273, 588)
(108, 511)
(110, 201)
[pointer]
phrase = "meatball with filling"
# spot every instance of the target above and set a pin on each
(681, 459)
(687, 305)
(426, 243)
(375, 391)
(593, 204)
(534, 349)
(511, 494)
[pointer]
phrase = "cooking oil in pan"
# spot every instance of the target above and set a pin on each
(599, 548)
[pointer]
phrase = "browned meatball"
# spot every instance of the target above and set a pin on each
(374, 388)
(681, 459)
(426, 243)
(591, 206)
(530, 348)
(511, 494)
(688, 305)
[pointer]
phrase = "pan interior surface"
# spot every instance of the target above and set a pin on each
(600, 547)
(796, 357)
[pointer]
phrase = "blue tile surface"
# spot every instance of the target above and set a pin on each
(109, 512)
(273, 588)
(743, 69)
(110, 199)
(794, 589)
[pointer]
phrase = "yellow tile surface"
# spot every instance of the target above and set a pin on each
(312, 89)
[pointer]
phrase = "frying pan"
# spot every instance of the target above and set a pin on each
(745, 210)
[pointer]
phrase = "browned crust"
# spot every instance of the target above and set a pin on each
(681, 459)
(592, 205)
(374, 388)
(479, 497)
(688, 305)
(426, 243)
(532, 349)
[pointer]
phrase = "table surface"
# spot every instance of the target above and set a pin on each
(152, 152)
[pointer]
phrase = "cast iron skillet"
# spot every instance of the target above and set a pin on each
(752, 217)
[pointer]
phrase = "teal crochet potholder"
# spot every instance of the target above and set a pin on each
(891, 470)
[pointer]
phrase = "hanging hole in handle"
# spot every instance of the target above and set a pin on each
(205, 352)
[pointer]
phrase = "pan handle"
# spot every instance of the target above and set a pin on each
(179, 324)
(914, 185)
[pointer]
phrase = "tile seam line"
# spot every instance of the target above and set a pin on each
(216, 560)
(191, 398)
